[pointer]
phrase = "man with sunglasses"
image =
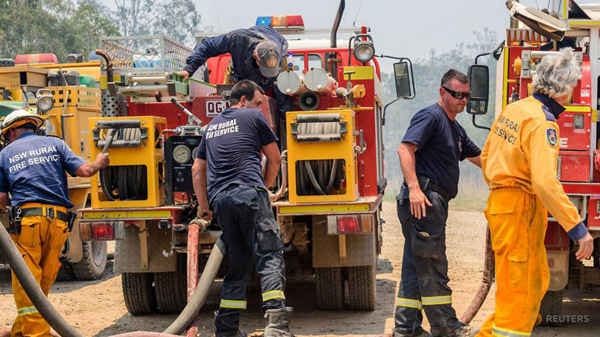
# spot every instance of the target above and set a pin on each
(429, 154)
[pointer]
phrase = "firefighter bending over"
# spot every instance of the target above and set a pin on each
(257, 54)
(32, 170)
(227, 176)
(520, 164)
(429, 154)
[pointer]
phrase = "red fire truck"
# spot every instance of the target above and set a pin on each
(330, 188)
(577, 26)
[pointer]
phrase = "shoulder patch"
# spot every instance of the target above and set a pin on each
(551, 136)
(548, 113)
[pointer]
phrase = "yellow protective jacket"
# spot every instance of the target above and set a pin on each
(522, 151)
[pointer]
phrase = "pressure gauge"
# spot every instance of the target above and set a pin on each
(182, 154)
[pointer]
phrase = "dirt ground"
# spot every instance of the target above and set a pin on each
(97, 309)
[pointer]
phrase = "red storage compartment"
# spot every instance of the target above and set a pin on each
(574, 166)
(575, 126)
(556, 237)
(36, 58)
(594, 212)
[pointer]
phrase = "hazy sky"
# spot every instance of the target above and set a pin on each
(400, 28)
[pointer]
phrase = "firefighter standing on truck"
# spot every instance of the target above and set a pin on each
(227, 176)
(32, 170)
(429, 154)
(519, 162)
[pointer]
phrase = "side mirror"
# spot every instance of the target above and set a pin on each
(479, 87)
(403, 79)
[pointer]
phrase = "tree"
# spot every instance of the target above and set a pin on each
(179, 21)
(176, 19)
(58, 27)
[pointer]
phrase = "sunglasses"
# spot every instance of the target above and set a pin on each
(457, 94)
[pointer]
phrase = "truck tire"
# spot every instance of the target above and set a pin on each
(138, 293)
(330, 291)
(171, 292)
(93, 263)
(551, 307)
(361, 288)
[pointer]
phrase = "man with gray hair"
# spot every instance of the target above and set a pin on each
(519, 162)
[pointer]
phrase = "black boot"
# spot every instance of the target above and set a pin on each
(277, 323)
(419, 333)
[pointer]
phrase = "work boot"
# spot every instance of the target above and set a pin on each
(237, 333)
(464, 331)
(277, 323)
(419, 333)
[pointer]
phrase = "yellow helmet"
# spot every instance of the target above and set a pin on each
(19, 118)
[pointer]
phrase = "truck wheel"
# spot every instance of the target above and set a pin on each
(93, 263)
(171, 292)
(330, 294)
(138, 293)
(361, 288)
(551, 307)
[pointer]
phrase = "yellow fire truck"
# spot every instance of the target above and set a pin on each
(66, 95)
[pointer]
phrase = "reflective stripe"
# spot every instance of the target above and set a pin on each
(500, 332)
(273, 295)
(436, 300)
(27, 311)
(408, 303)
(233, 304)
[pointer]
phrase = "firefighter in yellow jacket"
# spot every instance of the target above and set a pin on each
(519, 162)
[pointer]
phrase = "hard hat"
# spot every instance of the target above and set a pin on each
(19, 118)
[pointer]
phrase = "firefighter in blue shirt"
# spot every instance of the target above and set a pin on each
(32, 170)
(429, 154)
(227, 175)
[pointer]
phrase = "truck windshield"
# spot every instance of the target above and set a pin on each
(297, 61)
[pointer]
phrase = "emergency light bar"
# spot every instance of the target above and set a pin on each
(282, 23)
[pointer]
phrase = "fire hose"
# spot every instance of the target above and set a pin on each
(57, 322)
(486, 282)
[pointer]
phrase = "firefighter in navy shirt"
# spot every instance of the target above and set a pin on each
(32, 170)
(227, 175)
(257, 54)
(429, 155)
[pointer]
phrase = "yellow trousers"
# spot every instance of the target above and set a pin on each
(517, 222)
(40, 243)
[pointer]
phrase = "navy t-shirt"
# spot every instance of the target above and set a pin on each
(231, 146)
(441, 144)
(32, 169)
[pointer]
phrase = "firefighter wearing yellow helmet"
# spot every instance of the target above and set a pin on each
(32, 171)
(519, 162)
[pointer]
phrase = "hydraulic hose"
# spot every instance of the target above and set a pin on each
(486, 282)
(191, 310)
(50, 314)
(32, 288)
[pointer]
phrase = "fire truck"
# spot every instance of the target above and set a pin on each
(532, 35)
(65, 95)
(331, 184)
